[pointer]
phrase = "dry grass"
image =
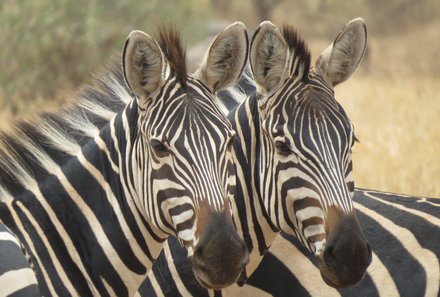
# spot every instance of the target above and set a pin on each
(398, 127)
(394, 103)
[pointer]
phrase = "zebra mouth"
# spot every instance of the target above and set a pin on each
(336, 279)
(202, 278)
(330, 282)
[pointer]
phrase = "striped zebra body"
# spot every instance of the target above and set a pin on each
(93, 191)
(16, 274)
(404, 233)
(294, 165)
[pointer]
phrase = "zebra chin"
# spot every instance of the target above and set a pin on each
(346, 254)
(220, 255)
(208, 283)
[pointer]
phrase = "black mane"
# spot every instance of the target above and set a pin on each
(171, 45)
(299, 48)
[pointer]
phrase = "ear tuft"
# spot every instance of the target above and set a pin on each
(341, 59)
(268, 57)
(142, 63)
(226, 58)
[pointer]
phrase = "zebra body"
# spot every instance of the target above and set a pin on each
(294, 167)
(93, 192)
(404, 233)
(16, 274)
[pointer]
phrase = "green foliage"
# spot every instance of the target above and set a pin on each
(48, 45)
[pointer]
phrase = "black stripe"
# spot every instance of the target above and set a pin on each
(279, 282)
(410, 202)
(30, 291)
(366, 287)
(86, 186)
(43, 254)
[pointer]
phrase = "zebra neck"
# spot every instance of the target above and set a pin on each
(257, 229)
(80, 223)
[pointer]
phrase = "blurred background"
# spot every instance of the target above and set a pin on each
(50, 47)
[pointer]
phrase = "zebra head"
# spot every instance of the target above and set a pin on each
(305, 164)
(183, 153)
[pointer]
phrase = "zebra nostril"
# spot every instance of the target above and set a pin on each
(199, 252)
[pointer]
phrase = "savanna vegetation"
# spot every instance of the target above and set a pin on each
(49, 48)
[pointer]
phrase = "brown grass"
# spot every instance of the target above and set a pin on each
(394, 103)
(397, 123)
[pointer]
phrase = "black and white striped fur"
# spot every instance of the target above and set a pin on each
(281, 168)
(404, 232)
(93, 191)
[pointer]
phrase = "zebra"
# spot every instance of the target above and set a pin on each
(294, 162)
(93, 191)
(404, 232)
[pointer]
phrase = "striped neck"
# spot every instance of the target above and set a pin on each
(255, 225)
(81, 221)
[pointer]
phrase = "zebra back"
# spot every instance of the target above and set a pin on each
(404, 232)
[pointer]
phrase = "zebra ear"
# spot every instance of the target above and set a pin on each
(226, 58)
(268, 57)
(341, 59)
(142, 61)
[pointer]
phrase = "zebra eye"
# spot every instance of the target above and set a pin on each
(282, 148)
(159, 148)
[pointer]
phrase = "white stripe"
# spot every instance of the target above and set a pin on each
(15, 280)
(182, 217)
(103, 146)
(32, 249)
(425, 216)
(381, 276)
(130, 279)
(156, 287)
(57, 265)
(176, 277)
(424, 200)
(140, 255)
(6, 236)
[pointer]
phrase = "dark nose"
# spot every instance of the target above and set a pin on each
(347, 254)
(220, 255)
(336, 257)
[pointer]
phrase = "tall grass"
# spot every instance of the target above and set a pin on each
(394, 102)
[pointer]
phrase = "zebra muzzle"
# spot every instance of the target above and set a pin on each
(220, 255)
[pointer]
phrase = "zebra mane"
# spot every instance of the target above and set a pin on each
(299, 49)
(174, 51)
(35, 147)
